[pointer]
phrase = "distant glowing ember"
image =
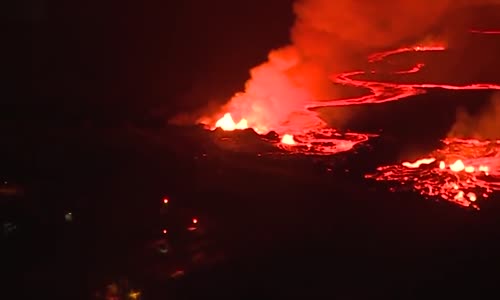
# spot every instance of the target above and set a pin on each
(134, 295)
(287, 139)
(68, 217)
(468, 170)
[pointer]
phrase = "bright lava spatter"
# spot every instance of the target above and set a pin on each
(464, 172)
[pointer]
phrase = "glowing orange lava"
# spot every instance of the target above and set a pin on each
(318, 142)
(418, 163)
(322, 142)
(423, 48)
(226, 123)
(468, 170)
(287, 139)
(381, 92)
(484, 31)
(259, 109)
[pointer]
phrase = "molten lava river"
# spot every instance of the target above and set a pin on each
(462, 171)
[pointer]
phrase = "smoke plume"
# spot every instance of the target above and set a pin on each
(328, 37)
(485, 125)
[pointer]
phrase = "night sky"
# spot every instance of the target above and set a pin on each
(121, 61)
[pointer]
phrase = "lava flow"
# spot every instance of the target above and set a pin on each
(381, 92)
(381, 55)
(463, 171)
(322, 141)
(484, 31)
(310, 137)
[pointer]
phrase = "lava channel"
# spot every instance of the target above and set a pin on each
(381, 92)
(485, 31)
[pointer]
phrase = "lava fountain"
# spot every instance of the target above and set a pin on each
(227, 123)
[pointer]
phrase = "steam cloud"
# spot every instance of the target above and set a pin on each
(484, 125)
(328, 37)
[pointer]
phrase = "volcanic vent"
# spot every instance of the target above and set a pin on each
(347, 45)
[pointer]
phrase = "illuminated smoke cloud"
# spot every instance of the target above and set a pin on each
(327, 37)
(485, 125)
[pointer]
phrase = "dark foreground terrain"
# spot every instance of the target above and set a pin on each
(88, 212)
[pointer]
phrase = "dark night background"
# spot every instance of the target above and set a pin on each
(87, 89)
(127, 60)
